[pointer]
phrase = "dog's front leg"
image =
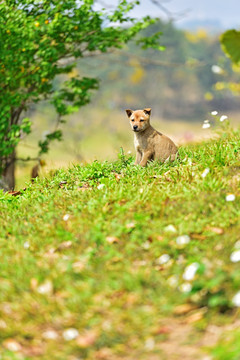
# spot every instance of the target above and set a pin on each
(147, 156)
(138, 157)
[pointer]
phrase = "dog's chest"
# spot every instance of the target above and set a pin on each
(139, 143)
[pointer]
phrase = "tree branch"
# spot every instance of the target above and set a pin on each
(171, 16)
(28, 159)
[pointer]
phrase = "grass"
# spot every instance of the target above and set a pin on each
(82, 271)
(84, 133)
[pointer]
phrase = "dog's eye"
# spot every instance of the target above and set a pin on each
(132, 120)
(141, 120)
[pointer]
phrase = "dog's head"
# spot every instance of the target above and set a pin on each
(139, 119)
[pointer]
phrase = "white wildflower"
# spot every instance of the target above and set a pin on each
(206, 125)
(141, 190)
(223, 117)
(236, 299)
(185, 287)
(163, 259)
(190, 271)
(183, 240)
(214, 113)
(216, 69)
(235, 256)
(66, 217)
(205, 172)
(70, 334)
(230, 197)
(100, 186)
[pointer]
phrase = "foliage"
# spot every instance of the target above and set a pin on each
(230, 41)
(83, 250)
(178, 83)
(41, 41)
(228, 348)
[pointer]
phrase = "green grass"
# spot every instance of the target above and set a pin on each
(98, 270)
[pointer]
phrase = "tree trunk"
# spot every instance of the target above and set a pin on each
(8, 174)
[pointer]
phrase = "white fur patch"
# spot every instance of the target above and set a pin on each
(136, 142)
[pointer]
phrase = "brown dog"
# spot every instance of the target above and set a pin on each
(148, 142)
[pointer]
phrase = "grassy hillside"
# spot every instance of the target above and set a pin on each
(114, 261)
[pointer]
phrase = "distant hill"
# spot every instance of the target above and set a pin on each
(212, 26)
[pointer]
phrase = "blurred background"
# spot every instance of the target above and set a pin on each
(182, 84)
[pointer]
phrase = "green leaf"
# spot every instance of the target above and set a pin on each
(230, 41)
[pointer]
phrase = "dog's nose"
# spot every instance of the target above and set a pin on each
(135, 127)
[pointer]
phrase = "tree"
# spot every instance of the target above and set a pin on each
(40, 42)
(230, 41)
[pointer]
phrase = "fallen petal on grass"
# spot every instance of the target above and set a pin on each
(87, 339)
(185, 287)
(26, 245)
(50, 335)
(170, 229)
(112, 239)
(46, 288)
(235, 256)
(237, 244)
(236, 299)
(149, 344)
(172, 281)
(12, 345)
(183, 240)
(163, 259)
(66, 217)
(130, 225)
(205, 172)
(230, 197)
(78, 266)
(190, 271)
(70, 334)
(216, 230)
(100, 186)
(146, 245)
(117, 176)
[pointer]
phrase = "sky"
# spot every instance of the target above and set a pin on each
(224, 12)
(227, 12)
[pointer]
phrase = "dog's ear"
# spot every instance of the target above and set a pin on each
(147, 111)
(129, 112)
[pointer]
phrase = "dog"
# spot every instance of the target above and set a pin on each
(149, 143)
